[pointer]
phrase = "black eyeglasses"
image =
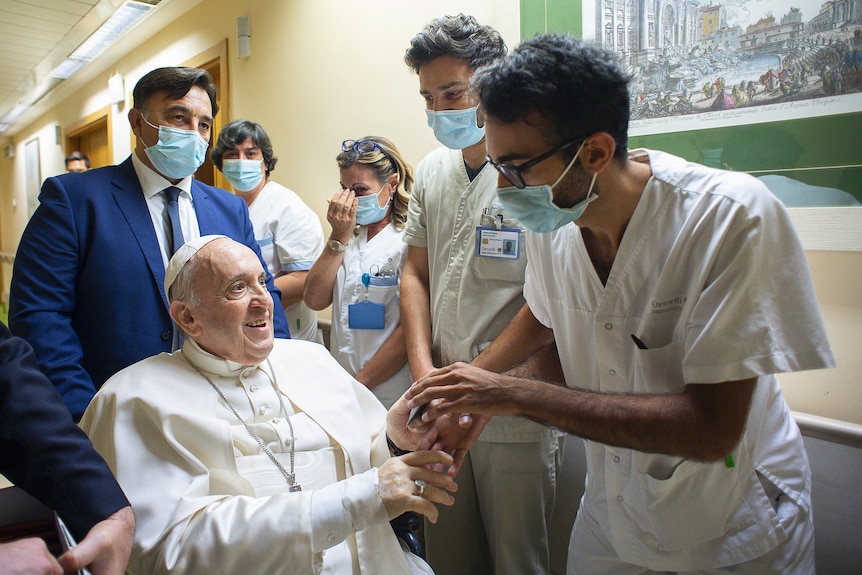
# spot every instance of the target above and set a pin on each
(513, 173)
(363, 147)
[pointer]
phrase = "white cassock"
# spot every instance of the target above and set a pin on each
(207, 498)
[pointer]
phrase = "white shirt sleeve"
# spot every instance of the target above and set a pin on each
(340, 509)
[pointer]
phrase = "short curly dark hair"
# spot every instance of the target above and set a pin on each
(460, 36)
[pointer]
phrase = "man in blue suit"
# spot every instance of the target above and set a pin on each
(87, 283)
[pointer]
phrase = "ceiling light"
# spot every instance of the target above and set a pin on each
(124, 18)
(11, 116)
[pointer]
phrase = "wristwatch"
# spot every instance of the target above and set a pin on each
(336, 246)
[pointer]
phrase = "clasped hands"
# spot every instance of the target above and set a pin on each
(460, 400)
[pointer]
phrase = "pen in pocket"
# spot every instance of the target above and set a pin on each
(638, 342)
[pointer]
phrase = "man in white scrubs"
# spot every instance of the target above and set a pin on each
(241, 454)
(675, 293)
(459, 290)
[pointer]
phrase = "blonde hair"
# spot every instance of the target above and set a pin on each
(384, 160)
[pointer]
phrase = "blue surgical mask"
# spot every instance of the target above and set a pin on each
(455, 129)
(178, 153)
(243, 175)
(369, 211)
(534, 206)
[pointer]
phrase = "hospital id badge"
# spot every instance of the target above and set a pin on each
(504, 243)
(366, 315)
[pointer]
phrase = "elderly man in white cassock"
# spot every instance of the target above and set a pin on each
(245, 454)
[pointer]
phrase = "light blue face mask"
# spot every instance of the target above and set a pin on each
(243, 175)
(369, 211)
(455, 129)
(534, 206)
(178, 153)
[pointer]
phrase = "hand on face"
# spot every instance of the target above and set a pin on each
(397, 484)
(341, 214)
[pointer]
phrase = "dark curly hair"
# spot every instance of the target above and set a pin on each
(578, 87)
(460, 36)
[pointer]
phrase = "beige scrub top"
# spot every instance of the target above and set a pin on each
(472, 298)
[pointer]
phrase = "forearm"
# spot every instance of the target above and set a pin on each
(416, 317)
(522, 338)
(703, 422)
(291, 286)
(321, 279)
(43, 451)
(543, 365)
(390, 358)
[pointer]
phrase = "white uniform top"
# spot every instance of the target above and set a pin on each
(472, 298)
(291, 239)
(711, 277)
(207, 498)
(385, 254)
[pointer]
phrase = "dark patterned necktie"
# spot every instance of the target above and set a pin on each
(175, 231)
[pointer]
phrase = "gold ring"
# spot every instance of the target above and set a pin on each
(420, 487)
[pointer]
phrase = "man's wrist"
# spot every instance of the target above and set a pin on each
(394, 450)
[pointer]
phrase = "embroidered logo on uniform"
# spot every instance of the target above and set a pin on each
(672, 303)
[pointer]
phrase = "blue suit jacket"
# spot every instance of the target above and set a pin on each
(42, 451)
(87, 285)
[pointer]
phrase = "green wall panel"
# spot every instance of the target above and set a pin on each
(820, 151)
(539, 16)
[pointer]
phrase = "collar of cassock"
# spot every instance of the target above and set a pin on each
(210, 363)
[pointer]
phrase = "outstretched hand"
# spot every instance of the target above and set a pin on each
(461, 399)
(464, 388)
(452, 434)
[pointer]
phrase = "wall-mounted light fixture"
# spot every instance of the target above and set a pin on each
(243, 38)
(116, 89)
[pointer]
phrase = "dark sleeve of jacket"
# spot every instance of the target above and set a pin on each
(44, 295)
(42, 450)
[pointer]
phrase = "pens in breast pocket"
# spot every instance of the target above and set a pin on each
(638, 342)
